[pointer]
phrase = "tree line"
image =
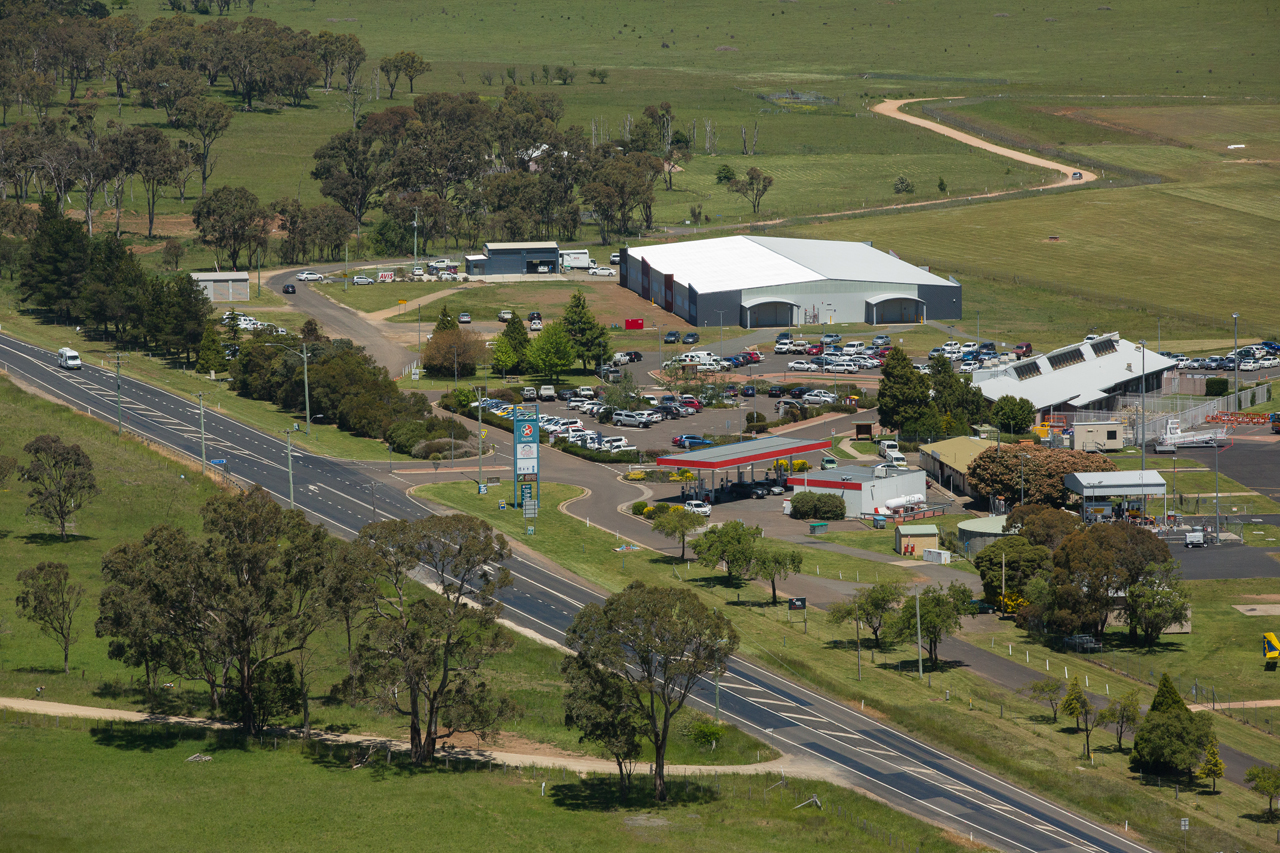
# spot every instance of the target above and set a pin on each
(71, 275)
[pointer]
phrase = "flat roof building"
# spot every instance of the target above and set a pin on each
(515, 259)
(947, 462)
(866, 491)
(225, 286)
(777, 281)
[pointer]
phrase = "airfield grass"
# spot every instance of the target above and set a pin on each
(140, 489)
(133, 790)
(1002, 731)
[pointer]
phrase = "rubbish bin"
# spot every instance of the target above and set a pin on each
(817, 527)
(877, 522)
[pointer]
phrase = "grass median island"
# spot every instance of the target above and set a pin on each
(1003, 731)
(133, 790)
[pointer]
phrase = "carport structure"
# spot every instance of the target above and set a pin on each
(726, 457)
(1114, 491)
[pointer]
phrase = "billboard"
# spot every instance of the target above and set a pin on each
(526, 454)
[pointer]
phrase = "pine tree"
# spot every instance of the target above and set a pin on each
(211, 358)
(904, 391)
(446, 321)
(1212, 766)
(1167, 698)
(517, 336)
(56, 262)
(590, 338)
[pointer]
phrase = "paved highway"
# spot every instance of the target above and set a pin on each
(347, 495)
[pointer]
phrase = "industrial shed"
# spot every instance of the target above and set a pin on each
(774, 281)
(866, 491)
(515, 259)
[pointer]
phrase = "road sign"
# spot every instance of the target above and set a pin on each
(484, 433)
(796, 603)
(526, 492)
(502, 504)
(403, 301)
(417, 374)
(1186, 824)
(217, 462)
(530, 509)
(484, 488)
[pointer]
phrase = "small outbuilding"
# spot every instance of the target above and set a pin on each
(977, 533)
(1097, 436)
(866, 491)
(226, 286)
(911, 539)
(515, 259)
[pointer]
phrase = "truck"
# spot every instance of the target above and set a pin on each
(1194, 538)
(576, 259)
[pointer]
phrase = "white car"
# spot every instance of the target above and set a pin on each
(803, 366)
(1268, 363)
(578, 403)
(418, 272)
(818, 398)
(969, 346)
(308, 275)
(440, 264)
(464, 317)
(448, 276)
(575, 434)
(602, 271)
(1248, 364)
(842, 366)
(700, 507)
(924, 368)
(782, 347)
(968, 367)
(1183, 363)
(362, 279)
(535, 326)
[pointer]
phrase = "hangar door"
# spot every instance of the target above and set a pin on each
(769, 312)
(895, 309)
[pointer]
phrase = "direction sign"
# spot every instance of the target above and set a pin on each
(217, 462)
(1186, 824)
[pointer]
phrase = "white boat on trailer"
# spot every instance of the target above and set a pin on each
(1174, 438)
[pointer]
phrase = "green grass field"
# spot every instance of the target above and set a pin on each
(377, 297)
(1003, 731)
(132, 790)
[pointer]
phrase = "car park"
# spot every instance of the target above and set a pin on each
(690, 338)
(289, 288)
(803, 366)
(362, 279)
(308, 275)
(699, 507)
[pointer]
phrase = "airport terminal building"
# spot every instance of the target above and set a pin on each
(776, 281)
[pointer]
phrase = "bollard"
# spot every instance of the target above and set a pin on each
(1011, 650)
(544, 789)
(1028, 656)
(1086, 681)
(1046, 664)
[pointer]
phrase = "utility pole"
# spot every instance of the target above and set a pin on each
(1235, 360)
(306, 381)
(919, 648)
(202, 453)
(415, 237)
(1002, 599)
(288, 443)
(721, 313)
(419, 335)
(119, 420)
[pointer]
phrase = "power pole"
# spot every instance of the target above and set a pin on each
(119, 420)
(288, 443)
(202, 453)
(919, 649)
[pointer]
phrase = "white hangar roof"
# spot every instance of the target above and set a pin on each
(744, 263)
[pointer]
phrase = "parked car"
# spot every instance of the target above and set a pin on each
(690, 338)
(782, 406)
(672, 337)
(696, 443)
(803, 366)
(634, 355)
(881, 341)
(504, 315)
(629, 419)
(818, 398)
(830, 338)
(843, 366)
(289, 288)
(979, 606)
(748, 390)
(464, 317)
(782, 347)
(797, 393)
(615, 258)
(669, 411)
(1022, 350)
(535, 315)
(602, 271)
(782, 336)
(700, 507)
(814, 349)
(529, 394)
(362, 279)
(968, 367)
(689, 402)
(759, 492)
(308, 275)
(776, 391)
(547, 392)
(679, 439)
(535, 326)
(1248, 364)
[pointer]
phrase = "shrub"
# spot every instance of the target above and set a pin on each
(1218, 386)
(648, 513)
(405, 436)
(800, 466)
(804, 505)
(725, 174)
(660, 509)
(755, 418)
(829, 508)
(902, 185)
(639, 507)
(506, 395)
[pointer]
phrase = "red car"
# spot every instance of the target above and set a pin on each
(692, 402)
(753, 356)
(816, 349)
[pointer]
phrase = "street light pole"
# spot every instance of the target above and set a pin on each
(1235, 359)
(288, 439)
(919, 650)
(455, 366)
(202, 453)
(721, 313)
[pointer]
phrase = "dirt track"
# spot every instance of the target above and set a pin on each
(890, 109)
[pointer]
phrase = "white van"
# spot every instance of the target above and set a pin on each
(896, 459)
(68, 358)
(888, 446)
